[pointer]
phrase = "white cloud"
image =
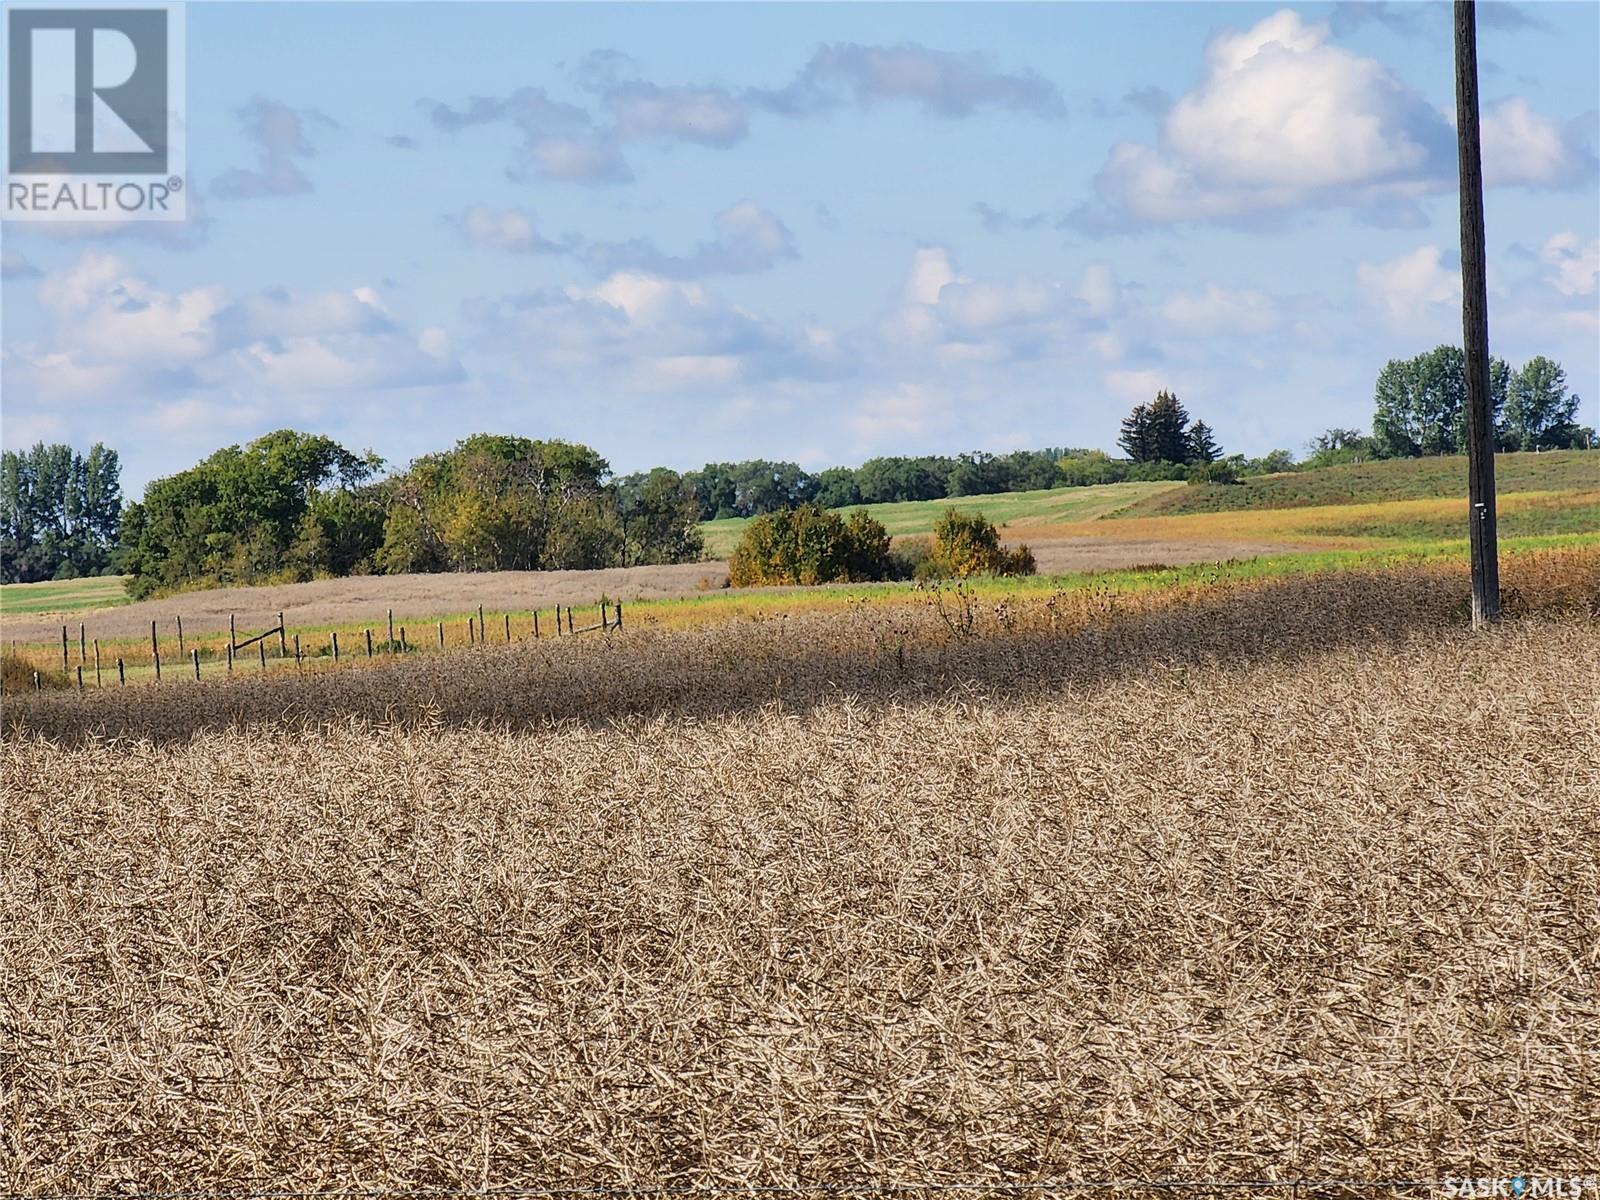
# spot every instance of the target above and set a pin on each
(509, 230)
(1134, 386)
(707, 115)
(1575, 266)
(888, 416)
(748, 239)
(279, 133)
(1216, 310)
(111, 333)
(650, 333)
(1284, 117)
(1522, 147)
(1411, 289)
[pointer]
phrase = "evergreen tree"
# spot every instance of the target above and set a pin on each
(1203, 446)
(1135, 438)
(1169, 429)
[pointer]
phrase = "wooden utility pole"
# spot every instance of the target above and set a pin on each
(1475, 327)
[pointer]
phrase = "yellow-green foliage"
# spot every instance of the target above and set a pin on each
(17, 672)
(967, 544)
(808, 545)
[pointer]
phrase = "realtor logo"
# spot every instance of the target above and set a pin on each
(93, 125)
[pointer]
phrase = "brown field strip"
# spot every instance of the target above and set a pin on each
(1291, 880)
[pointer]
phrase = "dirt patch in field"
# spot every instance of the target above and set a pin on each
(367, 597)
(1058, 556)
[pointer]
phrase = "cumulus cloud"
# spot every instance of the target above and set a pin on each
(951, 319)
(112, 332)
(708, 116)
(1285, 118)
(1521, 147)
(508, 230)
(559, 141)
(279, 134)
(890, 416)
(567, 142)
(1216, 310)
(648, 333)
(1412, 289)
(942, 84)
(1574, 266)
(748, 239)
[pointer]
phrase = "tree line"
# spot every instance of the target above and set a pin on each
(60, 513)
(1420, 408)
(293, 506)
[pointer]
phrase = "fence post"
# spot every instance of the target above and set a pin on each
(97, 662)
(155, 651)
(391, 631)
(122, 675)
(196, 653)
(368, 632)
(297, 652)
(483, 630)
(37, 686)
(603, 624)
(80, 677)
(619, 615)
(335, 637)
(536, 623)
(64, 650)
(283, 646)
(471, 639)
(508, 627)
(403, 647)
(441, 635)
(230, 657)
(570, 627)
(180, 637)
(81, 657)
(262, 647)
(233, 637)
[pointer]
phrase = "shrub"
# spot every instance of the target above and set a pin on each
(1215, 472)
(808, 545)
(16, 675)
(967, 544)
(908, 555)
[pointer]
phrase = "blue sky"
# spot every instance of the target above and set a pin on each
(689, 233)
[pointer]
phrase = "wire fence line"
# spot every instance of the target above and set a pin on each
(509, 625)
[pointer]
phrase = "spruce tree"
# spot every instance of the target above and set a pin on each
(1135, 437)
(1169, 429)
(1203, 446)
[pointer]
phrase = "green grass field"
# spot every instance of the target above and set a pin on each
(1050, 506)
(69, 595)
(1360, 483)
(1376, 482)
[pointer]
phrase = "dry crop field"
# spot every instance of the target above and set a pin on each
(1292, 879)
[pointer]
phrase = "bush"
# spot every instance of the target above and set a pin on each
(1216, 472)
(16, 675)
(967, 544)
(908, 556)
(808, 545)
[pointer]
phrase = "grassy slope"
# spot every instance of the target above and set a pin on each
(1021, 509)
(1365, 483)
(70, 595)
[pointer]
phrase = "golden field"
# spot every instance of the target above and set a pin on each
(1284, 879)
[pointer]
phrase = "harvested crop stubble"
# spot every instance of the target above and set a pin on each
(1328, 916)
(902, 651)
